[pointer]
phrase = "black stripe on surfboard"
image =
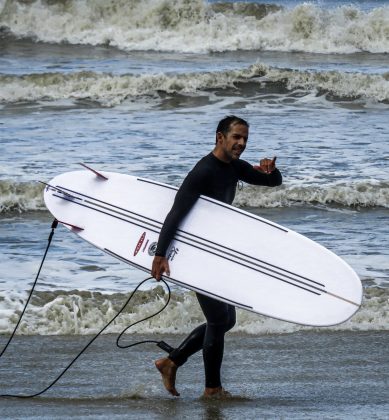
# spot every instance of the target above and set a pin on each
(262, 272)
(104, 212)
(257, 262)
(241, 254)
(220, 204)
(206, 250)
(178, 282)
(218, 255)
(204, 291)
(59, 188)
(224, 248)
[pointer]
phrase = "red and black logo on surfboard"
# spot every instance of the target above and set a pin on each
(139, 244)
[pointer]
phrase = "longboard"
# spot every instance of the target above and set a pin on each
(218, 250)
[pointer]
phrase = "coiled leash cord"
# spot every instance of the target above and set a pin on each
(161, 344)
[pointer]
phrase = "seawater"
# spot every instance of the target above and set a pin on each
(295, 376)
(138, 88)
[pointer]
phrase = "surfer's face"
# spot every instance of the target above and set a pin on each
(232, 144)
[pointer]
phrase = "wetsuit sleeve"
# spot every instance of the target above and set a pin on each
(252, 176)
(185, 199)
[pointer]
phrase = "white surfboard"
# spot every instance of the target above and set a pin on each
(219, 250)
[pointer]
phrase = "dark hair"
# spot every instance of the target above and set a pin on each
(225, 124)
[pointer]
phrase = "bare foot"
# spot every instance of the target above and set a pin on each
(216, 393)
(168, 370)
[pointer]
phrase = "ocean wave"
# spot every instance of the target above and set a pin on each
(255, 80)
(22, 197)
(196, 26)
(358, 194)
(81, 313)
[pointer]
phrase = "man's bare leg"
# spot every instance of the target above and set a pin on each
(168, 370)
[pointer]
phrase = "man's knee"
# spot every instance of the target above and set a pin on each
(230, 319)
(219, 322)
(222, 324)
(231, 323)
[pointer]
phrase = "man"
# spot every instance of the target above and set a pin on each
(216, 176)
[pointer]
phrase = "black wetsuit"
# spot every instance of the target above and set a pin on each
(216, 179)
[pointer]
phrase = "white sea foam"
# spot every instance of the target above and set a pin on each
(358, 194)
(197, 26)
(80, 313)
(26, 196)
(110, 90)
(20, 197)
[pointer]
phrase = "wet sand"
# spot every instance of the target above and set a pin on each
(300, 375)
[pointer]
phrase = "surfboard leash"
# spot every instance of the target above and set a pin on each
(53, 227)
(161, 344)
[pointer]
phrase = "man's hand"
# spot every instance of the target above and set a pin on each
(266, 165)
(159, 267)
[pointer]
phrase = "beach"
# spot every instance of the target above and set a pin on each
(299, 375)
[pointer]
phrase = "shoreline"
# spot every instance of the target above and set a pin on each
(298, 375)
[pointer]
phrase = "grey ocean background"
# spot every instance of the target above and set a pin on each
(138, 87)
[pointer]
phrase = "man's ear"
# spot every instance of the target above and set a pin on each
(219, 137)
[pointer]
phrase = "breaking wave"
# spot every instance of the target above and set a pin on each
(359, 194)
(195, 26)
(28, 196)
(81, 312)
(20, 197)
(111, 90)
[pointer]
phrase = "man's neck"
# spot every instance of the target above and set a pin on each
(220, 156)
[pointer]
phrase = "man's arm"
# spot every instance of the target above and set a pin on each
(185, 199)
(265, 174)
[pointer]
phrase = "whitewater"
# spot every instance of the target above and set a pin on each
(85, 313)
(187, 26)
(110, 90)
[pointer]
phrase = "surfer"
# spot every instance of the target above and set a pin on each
(216, 175)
